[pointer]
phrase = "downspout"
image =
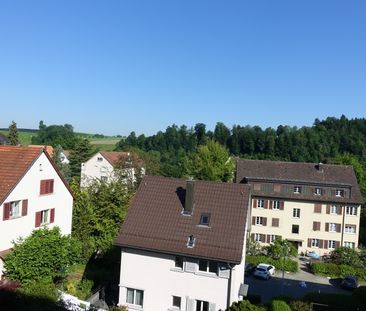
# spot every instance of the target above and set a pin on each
(229, 287)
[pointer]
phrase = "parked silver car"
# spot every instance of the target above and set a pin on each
(264, 271)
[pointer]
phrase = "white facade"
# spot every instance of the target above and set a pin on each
(28, 188)
(157, 276)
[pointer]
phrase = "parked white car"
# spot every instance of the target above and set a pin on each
(264, 271)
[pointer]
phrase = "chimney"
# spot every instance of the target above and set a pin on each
(189, 201)
(319, 167)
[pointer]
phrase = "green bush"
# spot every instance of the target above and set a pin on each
(279, 305)
(289, 264)
(41, 289)
(82, 289)
(298, 305)
(334, 270)
(244, 305)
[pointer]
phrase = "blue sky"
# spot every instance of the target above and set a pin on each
(113, 67)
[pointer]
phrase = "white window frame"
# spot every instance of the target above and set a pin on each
(315, 243)
(333, 209)
(208, 266)
(15, 210)
(349, 244)
(202, 305)
(296, 212)
(272, 238)
(331, 244)
(260, 203)
(259, 220)
(258, 237)
(276, 205)
(134, 297)
(350, 229)
(340, 193)
(351, 210)
(297, 189)
(332, 227)
(174, 306)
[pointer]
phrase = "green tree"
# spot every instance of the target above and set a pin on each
(13, 134)
(211, 162)
(44, 254)
(244, 305)
(346, 256)
(63, 167)
(221, 133)
(281, 249)
(81, 153)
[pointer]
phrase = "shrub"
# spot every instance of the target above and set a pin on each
(81, 289)
(41, 289)
(336, 301)
(279, 305)
(298, 305)
(244, 305)
(334, 270)
(288, 264)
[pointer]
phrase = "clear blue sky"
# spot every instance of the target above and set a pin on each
(113, 67)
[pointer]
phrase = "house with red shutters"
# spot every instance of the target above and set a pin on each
(33, 194)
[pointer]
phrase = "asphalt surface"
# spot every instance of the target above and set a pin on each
(294, 285)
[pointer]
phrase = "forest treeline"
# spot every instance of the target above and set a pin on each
(319, 143)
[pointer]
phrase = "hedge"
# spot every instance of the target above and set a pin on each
(279, 305)
(334, 301)
(289, 264)
(334, 270)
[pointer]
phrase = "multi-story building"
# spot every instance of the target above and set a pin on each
(33, 194)
(183, 245)
(316, 206)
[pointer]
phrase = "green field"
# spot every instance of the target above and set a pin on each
(107, 143)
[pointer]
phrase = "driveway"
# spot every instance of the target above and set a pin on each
(294, 285)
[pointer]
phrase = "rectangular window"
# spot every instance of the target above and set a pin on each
(318, 191)
(349, 244)
(103, 178)
(296, 213)
(314, 242)
(177, 301)
(276, 205)
(332, 227)
(135, 297)
(99, 159)
(178, 262)
(351, 210)
(205, 219)
(273, 238)
(208, 266)
(297, 189)
(275, 222)
(259, 221)
(331, 244)
(295, 229)
(46, 186)
(14, 209)
(45, 217)
(202, 305)
(258, 237)
(260, 203)
(333, 209)
(339, 193)
(350, 229)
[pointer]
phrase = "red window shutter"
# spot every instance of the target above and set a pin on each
(38, 219)
(51, 186)
(268, 238)
(282, 204)
(321, 243)
(43, 187)
(266, 203)
(339, 210)
(315, 225)
(263, 238)
(6, 212)
(338, 227)
(52, 217)
(309, 242)
(264, 221)
(328, 209)
(325, 244)
(337, 244)
(270, 204)
(24, 207)
(327, 226)
(255, 203)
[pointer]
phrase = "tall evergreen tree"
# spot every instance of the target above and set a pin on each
(13, 134)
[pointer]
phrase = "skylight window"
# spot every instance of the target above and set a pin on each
(191, 241)
(205, 219)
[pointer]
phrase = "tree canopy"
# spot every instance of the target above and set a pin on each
(13, 134)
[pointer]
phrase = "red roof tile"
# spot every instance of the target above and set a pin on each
(155, 221)
(113, 156)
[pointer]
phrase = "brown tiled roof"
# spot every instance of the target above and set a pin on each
(155, 222)
(300, 173)
(113, 156)
(49, 149)
(14, 163)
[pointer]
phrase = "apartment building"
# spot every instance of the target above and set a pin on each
(316, 206)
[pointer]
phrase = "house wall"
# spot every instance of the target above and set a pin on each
(29, 188)
(305, 222)
(157, 276)
(94, 169)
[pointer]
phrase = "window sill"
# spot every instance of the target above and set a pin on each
(207, 274)
(134, 307)
(177, 270)
(15, 217)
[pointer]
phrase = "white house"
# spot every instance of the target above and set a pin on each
(102, 167)
(33, 194)
(183, 245)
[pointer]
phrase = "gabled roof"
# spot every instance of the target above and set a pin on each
(113, 156)
(155, 221)
(300, 173)
(15, 161)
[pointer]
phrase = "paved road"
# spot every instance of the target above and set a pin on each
(290, 285)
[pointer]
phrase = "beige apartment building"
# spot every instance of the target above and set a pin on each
(316, 206)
